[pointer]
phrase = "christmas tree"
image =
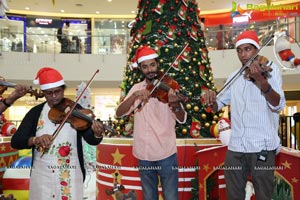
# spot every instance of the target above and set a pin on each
(172, 27)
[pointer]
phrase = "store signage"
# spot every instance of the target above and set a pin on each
(43, 21)
(240, 19)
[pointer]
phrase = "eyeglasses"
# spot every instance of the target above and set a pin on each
(54, 92)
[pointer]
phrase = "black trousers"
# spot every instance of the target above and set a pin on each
(259, 167)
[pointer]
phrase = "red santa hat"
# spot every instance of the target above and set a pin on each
(247, 37)
(145, 53)
(48, 78)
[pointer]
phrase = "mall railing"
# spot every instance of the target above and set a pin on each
(119, 43)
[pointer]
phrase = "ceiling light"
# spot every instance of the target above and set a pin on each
(97, 12)
(62, 11)
(27, 8)
(109, 0)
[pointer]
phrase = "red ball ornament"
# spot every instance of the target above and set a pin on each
(191, 9)
(172, 8)
(166, 23)
(158, 20)
(144, 26)
(153, 10)
(188, 33)
(143, 37)
(183, 24)
(176, 2)
(159, 31)
(147, 2)
(175, 19)
(179, 33)
(8, 129)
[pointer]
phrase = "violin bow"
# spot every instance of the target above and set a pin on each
(244, 67)
(58, 129)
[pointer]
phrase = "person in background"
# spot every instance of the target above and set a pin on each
(58, 169)
(154, 137)
(65, 40)
(255, 100)
(221, 37)
(202, 24)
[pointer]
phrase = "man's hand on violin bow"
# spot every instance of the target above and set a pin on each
(42, 142)
(143, 95)
(97, 128)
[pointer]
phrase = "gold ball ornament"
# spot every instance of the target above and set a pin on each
(175, 45)
(181, 70)
(161, 60)
(196, 53)
(210, 78)
(213, 122)
(203, 116)
(196, 85)
(166, 50)
(148, 42)
(190, 67)
(220, 115)
(186, 78)
(194, 59)
(184, 131)
(216, 117)
(206, 124)
(196, 108)
(188, 106)
(118, 128)
(122, 121)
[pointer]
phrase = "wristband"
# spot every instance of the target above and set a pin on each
(98, 137)
(177, 109)
(268, 90)
(5, 103)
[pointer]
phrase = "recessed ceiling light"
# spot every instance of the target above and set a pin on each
(109, 0)
(133, 12)
(62, 11)
(97, 12)
(27, 8)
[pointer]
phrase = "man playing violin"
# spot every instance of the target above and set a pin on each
(154, 137)
(255, 104)
(60, 172)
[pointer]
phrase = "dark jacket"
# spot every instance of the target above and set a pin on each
(28, 128)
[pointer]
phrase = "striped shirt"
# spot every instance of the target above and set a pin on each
(254, 121)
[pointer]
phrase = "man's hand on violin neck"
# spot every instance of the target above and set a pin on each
(172, 96)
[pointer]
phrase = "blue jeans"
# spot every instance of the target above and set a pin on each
(167, 169)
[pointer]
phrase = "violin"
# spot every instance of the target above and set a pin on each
(160, 87)
(4, 85)
(265, 66)
(80, 119)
